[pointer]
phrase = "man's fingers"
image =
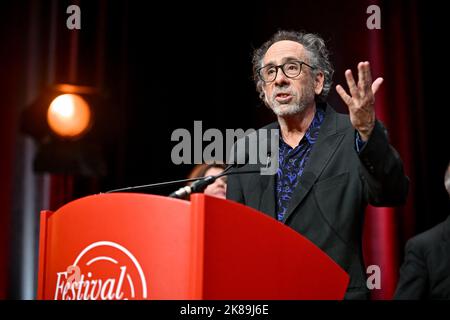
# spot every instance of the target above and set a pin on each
(364, 86)
(366, 76)
(361, 76)
(347, 99)
(376, 85)
(351, 84)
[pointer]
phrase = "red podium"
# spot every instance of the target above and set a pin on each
(136, 246)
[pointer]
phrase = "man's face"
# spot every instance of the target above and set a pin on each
(286, 96)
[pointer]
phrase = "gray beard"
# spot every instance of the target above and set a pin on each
(283, 110)
(288, 110)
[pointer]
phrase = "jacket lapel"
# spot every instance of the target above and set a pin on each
(267, 203)
(266, 183)
(326, 144)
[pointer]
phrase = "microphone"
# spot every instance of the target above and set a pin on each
(202, 183)
(238, 158)
(199, 184)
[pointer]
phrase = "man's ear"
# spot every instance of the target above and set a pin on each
(318, 82)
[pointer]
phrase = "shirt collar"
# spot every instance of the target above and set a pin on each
(313, 130)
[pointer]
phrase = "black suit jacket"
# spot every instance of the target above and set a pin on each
(425, 273)
(328, 203)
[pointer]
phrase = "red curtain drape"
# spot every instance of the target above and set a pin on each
(394, 55)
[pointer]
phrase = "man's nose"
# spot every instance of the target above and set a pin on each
(281, 78)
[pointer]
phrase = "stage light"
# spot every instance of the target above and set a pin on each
(69, 116)
(65, 121)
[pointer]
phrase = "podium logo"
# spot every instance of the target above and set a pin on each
(104, 270)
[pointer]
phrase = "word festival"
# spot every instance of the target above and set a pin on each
(77, 287)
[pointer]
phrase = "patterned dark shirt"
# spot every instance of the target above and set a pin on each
(291, 163)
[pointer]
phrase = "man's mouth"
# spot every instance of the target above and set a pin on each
(283, 97)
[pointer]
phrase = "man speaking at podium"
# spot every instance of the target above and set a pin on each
(330, 165)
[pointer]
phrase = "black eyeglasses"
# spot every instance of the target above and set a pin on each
(291, 69)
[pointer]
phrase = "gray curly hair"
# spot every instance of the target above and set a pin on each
(317, 53)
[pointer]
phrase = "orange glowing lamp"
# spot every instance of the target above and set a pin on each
(69, 116)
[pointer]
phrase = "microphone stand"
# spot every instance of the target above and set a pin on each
(200, 184)
(153, 185)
